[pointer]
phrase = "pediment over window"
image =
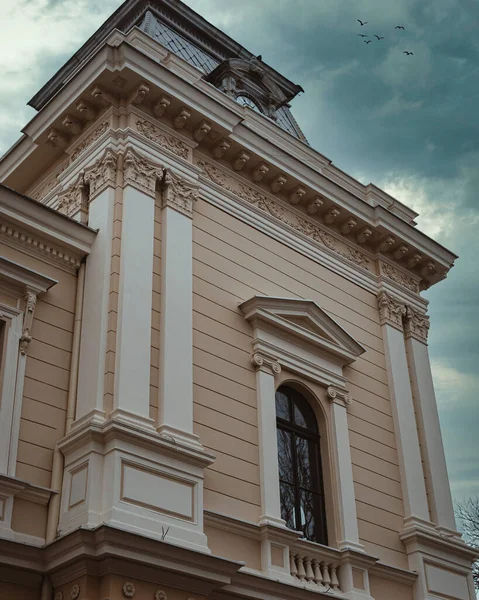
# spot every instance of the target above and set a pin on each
(305, 322)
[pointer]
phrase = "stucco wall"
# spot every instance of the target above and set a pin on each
(233, 262)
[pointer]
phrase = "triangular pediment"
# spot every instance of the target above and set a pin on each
(306, 321)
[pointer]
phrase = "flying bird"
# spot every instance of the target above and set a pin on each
(399, 27)
(361, 23)
(367, 41)
(408, 53)
(363, 35)
(379, 38)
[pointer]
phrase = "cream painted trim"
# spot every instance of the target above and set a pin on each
(24, 490)
(410, 464)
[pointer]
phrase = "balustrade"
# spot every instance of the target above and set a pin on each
(315, 566)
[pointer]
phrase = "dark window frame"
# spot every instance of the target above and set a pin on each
(312, 436)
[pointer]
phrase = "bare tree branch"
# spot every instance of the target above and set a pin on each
(467, 514)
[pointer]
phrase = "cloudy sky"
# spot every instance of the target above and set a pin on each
(408, 123)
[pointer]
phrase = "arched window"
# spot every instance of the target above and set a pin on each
(300, 474)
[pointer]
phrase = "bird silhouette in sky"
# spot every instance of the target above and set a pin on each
(367, 41)
(399, 27)
(408, 53)
(363, 35)
(379, 37)
(361, 22)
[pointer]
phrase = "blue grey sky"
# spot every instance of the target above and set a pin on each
(407, 123)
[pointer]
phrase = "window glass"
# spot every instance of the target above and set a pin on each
(300, 475)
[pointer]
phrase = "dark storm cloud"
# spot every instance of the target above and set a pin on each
(408, 123)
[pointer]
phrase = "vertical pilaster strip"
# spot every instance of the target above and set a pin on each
(348, 524)
(175, 410)
(101, 179)
(391, 315)
(266, 369)
(131, 400)
(416, 330)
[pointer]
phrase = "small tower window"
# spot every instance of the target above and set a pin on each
(246, 101)
(299, 459)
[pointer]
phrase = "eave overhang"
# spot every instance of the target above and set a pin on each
(139, 58)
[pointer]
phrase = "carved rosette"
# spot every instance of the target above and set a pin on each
(75, 592)
(102, 173)
(339, 396)
(128, 589)
(30, 304)
(391, 312)
(74, 198)
(416, 325)
(141, 173)
(261, 362)
(160, 595)
(179, 194)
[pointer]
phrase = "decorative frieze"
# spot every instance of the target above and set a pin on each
(272, 207)
(416, 325)
(157, 135)
(179, 194)
(336, 394)
(399, 277)
(102, 173)
(88, 141)
(140, 172)
(46, 187)
(391, 312)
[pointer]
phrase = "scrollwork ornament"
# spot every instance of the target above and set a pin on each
(75, 592)
(335, 394)
(416, 325)
(129, 589)
(391, 312)
(101, 174)
(140, 172)
(261, 362)
(160, 595)
(179, 194)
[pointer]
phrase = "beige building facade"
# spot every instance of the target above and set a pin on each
(215, 379)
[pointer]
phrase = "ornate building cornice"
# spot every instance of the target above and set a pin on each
(399, 277)
(269, 205)
(140, 172)
(179, 194)
(157, 135)
(416, 325)
(391, 312)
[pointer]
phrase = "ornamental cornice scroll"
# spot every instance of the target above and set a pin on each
(88, 141)
(416, 325)
(30, 305)
(402, 279)
(141, 173)
(262, 362)
(391, 312)
(102, 173)
(157, 135)
(178, 193)
(339, 396)
(274, 208)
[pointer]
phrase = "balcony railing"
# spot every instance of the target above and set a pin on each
(315, 565)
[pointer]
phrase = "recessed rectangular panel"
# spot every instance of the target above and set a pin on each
(445, 583)
(78, 486)
(158, 491)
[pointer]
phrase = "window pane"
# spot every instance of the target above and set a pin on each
(285, 456)
(306, 463)
(299, 417)
(287, 504)
(304, 415)
(307, 510)
(282, 406)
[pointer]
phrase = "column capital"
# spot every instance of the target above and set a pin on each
(102, 173)
(339, 396)
(141, 173)
(178, 193)
(416, 325)
(262, 362)
(74, 198)
(391, 311)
